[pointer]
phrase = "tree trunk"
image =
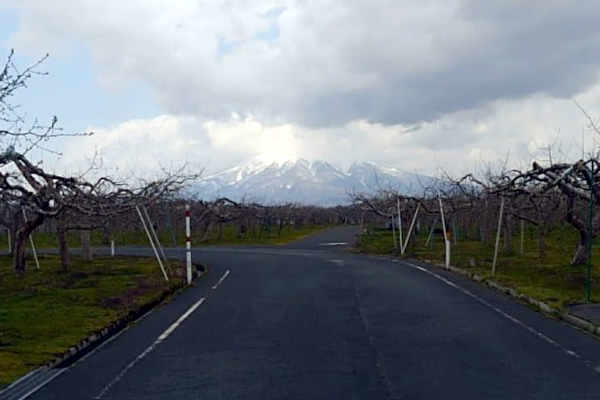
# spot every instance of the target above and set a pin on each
(541, 242)
(106, 236)
(260, 232)
(485, 232)
(240, 229)
(13, 234)
(86, 250)
(207, 232)
(19, 254)
(508, 233)
(21, 236)
(63, 248)
(581, 254)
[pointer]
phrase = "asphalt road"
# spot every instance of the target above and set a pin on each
(309, 321)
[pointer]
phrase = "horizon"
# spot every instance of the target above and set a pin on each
(271, 159)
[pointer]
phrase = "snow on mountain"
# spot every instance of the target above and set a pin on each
(283, 180)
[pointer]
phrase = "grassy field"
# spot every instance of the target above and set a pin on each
(551, 279)
(47, 311)
(138, 237)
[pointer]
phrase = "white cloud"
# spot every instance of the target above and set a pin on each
(518, 131)
(417, 84)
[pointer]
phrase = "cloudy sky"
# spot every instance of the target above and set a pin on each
(413, 84)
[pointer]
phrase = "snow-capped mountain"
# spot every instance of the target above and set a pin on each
(306, 182)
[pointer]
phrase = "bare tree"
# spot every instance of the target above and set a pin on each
(46, 195)
(25, 187)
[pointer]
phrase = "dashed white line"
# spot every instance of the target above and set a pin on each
(499, 311)
(221, 280)
(334, 244)
(338, 262)
(158, 341)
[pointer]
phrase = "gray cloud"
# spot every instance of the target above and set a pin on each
(383, 61)
(484, 52)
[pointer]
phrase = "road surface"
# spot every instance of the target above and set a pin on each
(310, 321)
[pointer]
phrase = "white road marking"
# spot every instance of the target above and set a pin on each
(221, 280)
(51, 377)
(158, 341)
(338, 262)
(499, 311)
(334, 244)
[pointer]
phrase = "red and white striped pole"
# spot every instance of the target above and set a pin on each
(188, 244)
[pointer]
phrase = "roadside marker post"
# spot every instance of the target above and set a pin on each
(446, 238)
(188, 244)
(400, 241)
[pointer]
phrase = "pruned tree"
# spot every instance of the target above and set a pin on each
(577, 183)
(543, 186)
(46, 195)
(26, 188)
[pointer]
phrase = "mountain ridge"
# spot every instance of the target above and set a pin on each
(299, 180)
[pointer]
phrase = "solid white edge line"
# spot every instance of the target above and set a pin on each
(160, 339)
(221, 280)
(32, 391)
(499, 311)
(21, 379)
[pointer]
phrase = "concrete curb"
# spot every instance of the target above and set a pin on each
(567, 317)
(77, 352)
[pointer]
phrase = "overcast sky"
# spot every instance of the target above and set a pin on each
(413, 84)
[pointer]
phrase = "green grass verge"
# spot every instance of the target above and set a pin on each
(551, 279)
(47, 311)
